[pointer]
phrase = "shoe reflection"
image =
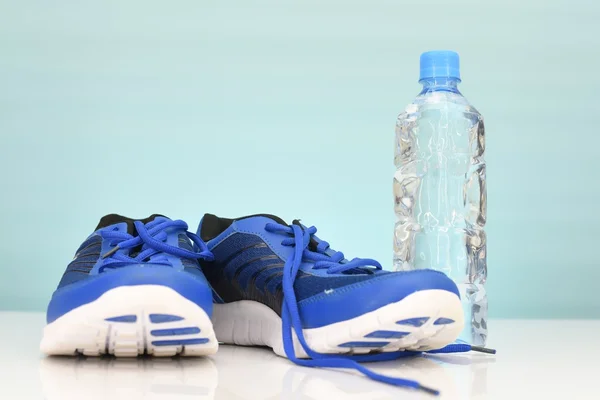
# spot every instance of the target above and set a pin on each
(97, 378)
(253, 373)
(248, 373)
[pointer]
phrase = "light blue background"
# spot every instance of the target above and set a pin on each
(238, 107)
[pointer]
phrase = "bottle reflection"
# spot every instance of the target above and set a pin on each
(470, 372)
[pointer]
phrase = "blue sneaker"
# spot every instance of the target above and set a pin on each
(280, 286)
(134, 287)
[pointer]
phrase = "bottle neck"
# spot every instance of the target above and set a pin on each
(440, 85)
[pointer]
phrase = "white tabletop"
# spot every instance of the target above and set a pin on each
(536, 359)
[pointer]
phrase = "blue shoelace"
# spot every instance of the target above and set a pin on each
(151, 237)
(300, 239)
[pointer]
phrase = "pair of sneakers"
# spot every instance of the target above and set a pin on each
(151, 287)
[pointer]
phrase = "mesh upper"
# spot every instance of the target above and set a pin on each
(189, 265)
(83, 262)
(245, 268)
(88, 254)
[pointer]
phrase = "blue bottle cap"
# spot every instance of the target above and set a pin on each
(439, 64)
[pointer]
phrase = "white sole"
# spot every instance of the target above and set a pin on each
(128, 321)
(424, 320)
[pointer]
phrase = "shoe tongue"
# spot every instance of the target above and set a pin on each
(270, 216)
(312, 245)
(211, 225)
(112, 219)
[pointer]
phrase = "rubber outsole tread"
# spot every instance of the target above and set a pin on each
(98, 328)
(254, 324)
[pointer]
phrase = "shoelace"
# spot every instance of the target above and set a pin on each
(291, 318)
(151, 237)
(321, 260)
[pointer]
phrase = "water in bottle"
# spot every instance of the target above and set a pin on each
(440, 188)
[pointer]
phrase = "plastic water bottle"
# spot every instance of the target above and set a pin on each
(440, 189)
